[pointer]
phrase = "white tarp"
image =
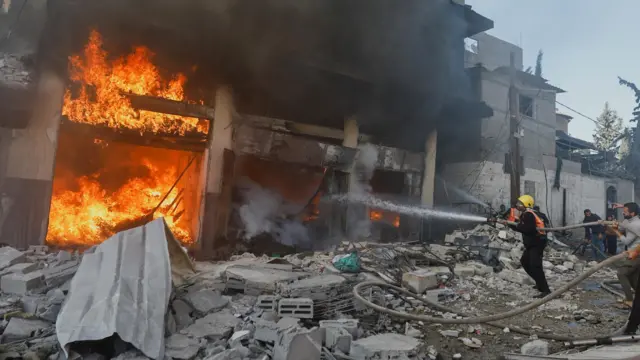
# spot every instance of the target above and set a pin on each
(124, 287)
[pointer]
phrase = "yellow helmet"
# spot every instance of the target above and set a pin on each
(526, 200)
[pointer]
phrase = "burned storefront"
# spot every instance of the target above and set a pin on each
(232, 120)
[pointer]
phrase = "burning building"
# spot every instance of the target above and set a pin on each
(226, 118)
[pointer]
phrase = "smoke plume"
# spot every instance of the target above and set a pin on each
(358, 222)
(265, 211)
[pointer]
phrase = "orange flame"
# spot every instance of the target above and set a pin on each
(83, 211)
(108, 82)
(375, 215)
(90, 215)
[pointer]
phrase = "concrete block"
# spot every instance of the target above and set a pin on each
(481, 269)
(38, 249)
(536, 347)
(255, 280)
(268, 302)
(298, 308)
(464, 270)
(19, 329)
(337, 338)
(21, 283)
(385, 346)
(10, 256)
(515, 277)
(420, 280)
(206, 301)
(58, 275)
(21, 268)
(351, 325)
(440, 295)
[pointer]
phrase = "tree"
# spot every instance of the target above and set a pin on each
(608, 129)
(633, 159)
(538, 68)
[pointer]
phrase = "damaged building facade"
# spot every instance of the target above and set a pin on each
(551, 172)
(205, 116)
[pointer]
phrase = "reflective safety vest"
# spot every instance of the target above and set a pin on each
(539, 222)
(512, 215)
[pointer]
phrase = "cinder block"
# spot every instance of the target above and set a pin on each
(420, 280)
(301, 308)
(38, 249)
(21, 283)
(464, 271)
(268, 302)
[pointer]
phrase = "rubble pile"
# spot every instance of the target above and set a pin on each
(301, 307)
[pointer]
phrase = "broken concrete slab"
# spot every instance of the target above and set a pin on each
(337, 338)
(10, 256)
(351, 325)
(179, 346)
(314, 288)
(515, 277)
(21, 268)
(254, 280)
(181, 314)
(385, 346)
(269, 331)
(296, 343)
(206, 301)
(464, 270)
(21, 283)
(238, 337)
(213, 326)
(237, 353)
(58, 275)
(19, 329)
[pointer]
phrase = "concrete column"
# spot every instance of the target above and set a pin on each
(26, 190)
(218, 153)
(351, 132)
(429, 177)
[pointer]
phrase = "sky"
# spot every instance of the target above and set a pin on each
(587, 44)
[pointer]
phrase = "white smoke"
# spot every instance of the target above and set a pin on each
(265, 211)
(358, 222)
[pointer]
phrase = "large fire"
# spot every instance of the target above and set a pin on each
(83, 212)
(103, 87)
(88, 206)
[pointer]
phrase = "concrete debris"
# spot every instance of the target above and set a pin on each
(385, 346)
(536, 347)
(265, 308)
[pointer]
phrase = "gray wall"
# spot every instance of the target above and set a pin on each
(493, 53)
(562, 122)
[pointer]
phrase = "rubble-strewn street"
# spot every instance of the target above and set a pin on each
(301, 307)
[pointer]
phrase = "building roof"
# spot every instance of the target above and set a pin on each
(566, 141)
(476, 23)
(530, 79)
(568, 117)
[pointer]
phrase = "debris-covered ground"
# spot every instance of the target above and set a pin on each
(296, 307)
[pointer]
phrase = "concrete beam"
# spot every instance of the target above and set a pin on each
(429, 177)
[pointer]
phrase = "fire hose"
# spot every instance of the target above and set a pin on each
(490, 319)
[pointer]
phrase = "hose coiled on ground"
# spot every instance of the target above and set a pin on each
(491, 319)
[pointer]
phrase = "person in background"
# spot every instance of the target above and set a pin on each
(628, 269)
(594, 234)
(611, 238)
(534, 241)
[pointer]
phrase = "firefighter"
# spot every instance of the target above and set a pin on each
(535, 240)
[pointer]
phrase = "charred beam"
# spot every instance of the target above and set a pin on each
(166, 106)
(189, 142)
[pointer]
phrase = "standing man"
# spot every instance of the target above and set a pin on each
(611, 238)
(629, 269)
(534, 243)
(542, 215)
(594, 234)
